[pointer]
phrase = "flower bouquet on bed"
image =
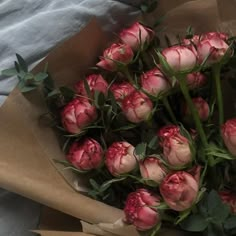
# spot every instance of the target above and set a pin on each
(147, 128)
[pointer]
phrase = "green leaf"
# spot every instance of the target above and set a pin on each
(140, 150)
(230, 223)
(194, 223)
(26, 89)
(40, 76)
(124, 128)
(153, 143)
(22, 63)
(108, 183)
(9, 72)
(87, 88)
(94, 184)
(54, 92)
(182, 216)
(113, 101)
(99, 99)
(166, 67)
(67, 93)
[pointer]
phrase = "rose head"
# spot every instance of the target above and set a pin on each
(229, 198)
(180, 58)
(176, 147)
(154, 82)
(95, 82)
(228, 133)
(196, 80)
(151, 168)
(137, 107)
(85, 155)
(201, 106)
(121, 90)
(136, 36)
(220, 35)
(117, 54)
(138, 209)
(120, 158)
(78, 114)
(212, 47)
(179, 190)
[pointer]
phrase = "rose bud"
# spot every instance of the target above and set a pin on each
(179, 190)
(202, 107)
(85, 155)
(229, 198)
(137, 107)
(120, 158)
(154, 82)
(196, 80)
(193, 41)
(78, 114)
(176, 147)
(136, 36)
(95, 83)
(151, 168)
(228, 133)
(220, 35)
(121, 90)
(213, 48)
(139, 209)
(117, 54)
(180, 58)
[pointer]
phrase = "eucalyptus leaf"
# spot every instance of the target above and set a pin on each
(9, 72)
(41, 76)
(230, 223)
(22, 64)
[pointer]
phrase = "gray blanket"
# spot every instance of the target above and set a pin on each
(32, 28)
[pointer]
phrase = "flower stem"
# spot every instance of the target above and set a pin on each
(169, 109)
(216, 73)
(193, 110)
(128, 75)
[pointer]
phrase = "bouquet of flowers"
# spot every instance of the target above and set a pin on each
(147, 128)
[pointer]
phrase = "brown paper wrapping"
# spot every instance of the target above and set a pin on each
(27, 147)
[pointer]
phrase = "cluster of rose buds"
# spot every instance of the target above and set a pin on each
(172, 169)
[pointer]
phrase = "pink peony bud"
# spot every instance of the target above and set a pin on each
(229, 198)
(154, 82)
(176, 147)
(228, 133)
(214, 47)
(202, 107)
(179, 190)
(137, 107)
(78, 114)
(180, 58)
(115, 55)
(151, 168)
(120, 158)
(95, 83)
(136, 36)
(121, 90)
(138, 209)
(85, 155)
(196, 80)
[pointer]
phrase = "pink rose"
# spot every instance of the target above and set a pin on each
(154, 82)
(196, 80)
(176, 147)
(229, 198)
(85, 155)
(151, 168)
(228, 133)
(136, 36)
(95, 83)
(120, 158)
(138, 209)
(179, 190)
(121, 90)
(193, 41)
(201, 106)
(180, 58)
(214, 47)
(78, 114)
(137, 107)
(117, 54)
(220, 35)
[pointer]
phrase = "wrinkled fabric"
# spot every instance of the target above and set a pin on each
(32, 28)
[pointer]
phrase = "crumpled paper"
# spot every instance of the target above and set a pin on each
(28, 147)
